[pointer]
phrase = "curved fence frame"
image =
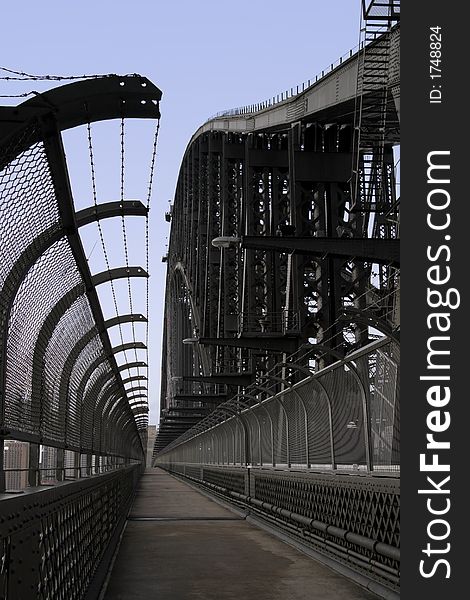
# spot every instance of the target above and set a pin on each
(345, 416)
(60, 384)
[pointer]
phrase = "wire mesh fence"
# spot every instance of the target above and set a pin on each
(60, 385)
(345, 416)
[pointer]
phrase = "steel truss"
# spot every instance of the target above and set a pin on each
(271, 246)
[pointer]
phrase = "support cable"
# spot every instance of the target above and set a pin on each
(124, 235)
(147, 245)
(21, 76)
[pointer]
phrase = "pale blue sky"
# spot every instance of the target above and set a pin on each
(205, 56)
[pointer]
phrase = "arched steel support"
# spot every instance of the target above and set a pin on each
(107, 210)
(260, 404)
(135, 378)
(137, 388)
(121, 319)
(129, 346)
(118, 273)
(98, 99)
(132, 398)
(365, 405)
(281, 404)
(132, 365)
(10, 289)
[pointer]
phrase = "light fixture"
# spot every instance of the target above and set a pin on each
(225, 241)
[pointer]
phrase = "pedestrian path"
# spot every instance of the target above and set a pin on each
(180, 545)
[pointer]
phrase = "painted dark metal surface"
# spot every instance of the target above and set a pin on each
(298, 258)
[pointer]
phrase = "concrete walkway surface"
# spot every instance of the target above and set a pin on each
(180, 545)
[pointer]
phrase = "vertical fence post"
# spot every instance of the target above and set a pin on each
(2, 472)
(34, 475)
(330, 422)
(365, 414)
(76, 465)
(60, 464)
(302, 403)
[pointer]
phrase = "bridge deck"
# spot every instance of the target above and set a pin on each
(180, 545)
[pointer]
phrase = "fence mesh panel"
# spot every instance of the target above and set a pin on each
(343, 417)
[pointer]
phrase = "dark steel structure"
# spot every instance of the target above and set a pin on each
(285, 232)
(280, 378)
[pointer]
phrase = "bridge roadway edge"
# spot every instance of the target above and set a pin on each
(321, 569)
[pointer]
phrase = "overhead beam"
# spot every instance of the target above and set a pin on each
(107, 210)
(118, 273)
(98, 99)
(281, 343)
(129, 346)
(121, 319)
(132, 365)
(374, 250)
(135, 378)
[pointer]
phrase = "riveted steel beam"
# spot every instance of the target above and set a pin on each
(121, 319)
(279, 344)
(129, 346)
(118, 273)
(373, 250)
(107, 210)
(100, 99)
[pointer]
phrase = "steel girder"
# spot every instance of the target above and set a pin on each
(251, 299)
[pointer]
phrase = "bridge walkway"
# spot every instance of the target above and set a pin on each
(180, 545)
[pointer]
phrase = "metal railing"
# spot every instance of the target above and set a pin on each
(353, 519)
(288, 94)
(345, 416)
(284, 95)
(57, 543)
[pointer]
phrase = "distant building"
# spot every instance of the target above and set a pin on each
(152, 434)
(70, 464)
(16, 456)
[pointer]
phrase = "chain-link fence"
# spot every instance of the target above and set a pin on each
(60, 384)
